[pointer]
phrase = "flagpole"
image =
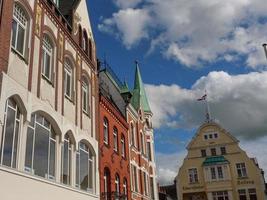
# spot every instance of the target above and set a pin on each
(208, 116)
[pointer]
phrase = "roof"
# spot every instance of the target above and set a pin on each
(215, 160)
(139, 98)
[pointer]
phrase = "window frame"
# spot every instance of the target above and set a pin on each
(241, 167)
(193, 175)
(115, 140)
(68, 71)
(70, 149)
(85, 96)
(106, 133)
(47, 52)
(123, 147)
(24, 27)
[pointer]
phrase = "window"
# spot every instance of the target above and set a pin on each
(205, 137)
(85, 96)
(19, 30)
(47, 58)
(134, 178)
(107, 184)
(68, 79)
(106, 131)
(149, 151)
(223, 150)
(66, 166)
(215, 135)
(217, 173)
(85, 42)
(252, 194)
(117, 187)
(123, 146)
(90, 49)
(193, 177)
(145, 183)
(241, 170)
(152, 188)
(1, 6)
(133, 139)
(115, 139)
(40, 148)
(242, 194)
(222, 195)
(210, 136)
(125, 193)
(213, 151)
(10, 136)
(203, 153)
(142, 143)
(84, 168)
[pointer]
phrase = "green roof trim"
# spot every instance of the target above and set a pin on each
(215, 160)
(139, 98)
(124, 88)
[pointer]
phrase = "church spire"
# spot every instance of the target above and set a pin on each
(139, 98)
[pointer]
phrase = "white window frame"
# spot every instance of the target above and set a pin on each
(220, 194)
(242, 168)
(115, 139)
(70, 158)
(106, 131)
(47, 48)
(85, 92)
(193, 175)
(68, 71)
(125, 192)
(123, 146)
(20, 17)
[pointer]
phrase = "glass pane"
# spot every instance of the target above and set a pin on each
(20, 41)
(84, 170)
(90, 174)
(77, 169)
(65, 174)
(52, 159)
(29, 148)
(68, 86)
(14, 163)
(40, 162)
(48, 65)
(14, 33)
(9, 134)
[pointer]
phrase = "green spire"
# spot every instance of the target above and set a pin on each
(139, 98)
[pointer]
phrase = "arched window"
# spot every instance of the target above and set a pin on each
(47, 57)
(106, 130)
(117, 186)
(40, 155)
(133, 134)
(115, 139)
(10, 136)
(68, 79)
(66, 166)
(85, 95)
(142, 143)
(123, 146)
(85, 42)
(107, 189)
(84, 168)
(19, 29)
(125, 193)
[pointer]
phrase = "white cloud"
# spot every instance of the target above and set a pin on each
(127, 3)
(131, 24)
(195, 32)
(168, 165)
(237, 102)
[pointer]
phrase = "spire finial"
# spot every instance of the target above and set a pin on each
(207, 110)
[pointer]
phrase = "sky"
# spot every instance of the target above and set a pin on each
(184, 48)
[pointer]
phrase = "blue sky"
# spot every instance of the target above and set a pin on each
(184, 48)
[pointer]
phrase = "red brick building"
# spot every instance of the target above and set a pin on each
(113, 140)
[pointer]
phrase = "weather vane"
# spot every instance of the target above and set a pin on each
(205, 99)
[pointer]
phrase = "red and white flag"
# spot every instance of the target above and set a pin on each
(203, 98)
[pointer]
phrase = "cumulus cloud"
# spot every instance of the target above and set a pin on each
(168, 165)
(237, 102)
(131, 24)
(192, 32)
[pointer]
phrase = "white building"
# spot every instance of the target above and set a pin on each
(48, 102)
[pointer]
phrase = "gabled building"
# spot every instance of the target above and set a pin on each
(48, 101)
(141, 142)
(216, 168)
(113, 138)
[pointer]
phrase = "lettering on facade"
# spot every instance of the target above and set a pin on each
(197, 187)
(245, 182)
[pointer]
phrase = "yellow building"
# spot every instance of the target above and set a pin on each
(216, 168)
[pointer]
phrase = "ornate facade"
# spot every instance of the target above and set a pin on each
(48, 102)
(216, 168)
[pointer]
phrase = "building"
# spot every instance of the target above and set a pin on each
(141, 138)
(168, 192)
(48, 101)
(216, 168)
(113, 138)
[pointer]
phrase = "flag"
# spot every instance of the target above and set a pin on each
(204, 97)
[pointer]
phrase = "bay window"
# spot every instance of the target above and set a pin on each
(40, 155)
(10, 136)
